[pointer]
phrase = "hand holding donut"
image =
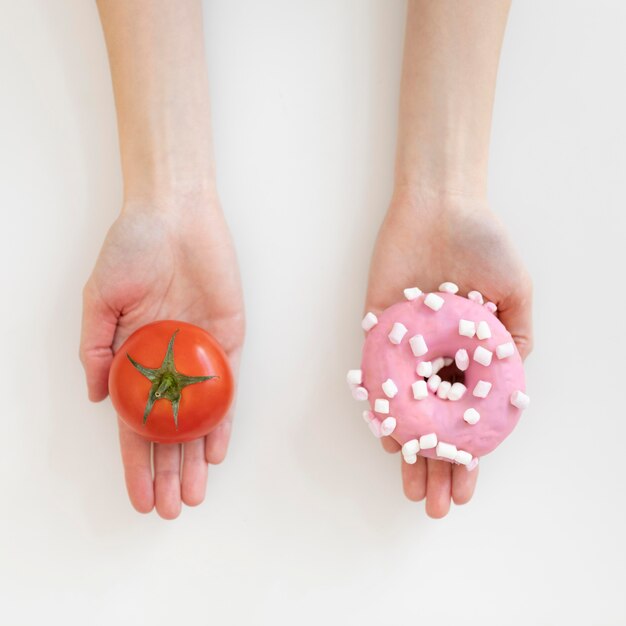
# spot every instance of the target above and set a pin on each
(439, 227)
(426, 242)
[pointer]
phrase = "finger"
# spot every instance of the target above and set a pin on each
(438, 486)
(414, 479)
(167, 479)
(137, 468)
(98, 329)
(218, 439)
(370, 307)
(195, 470)
(463, 484)
(516, 314)
(390, 444)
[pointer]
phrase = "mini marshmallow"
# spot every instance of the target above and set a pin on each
(428, 442)
(505, 350)
(433, 301)
(448, 287)
(381, 405)
(467, 328)
(433, 382)
(491, 306)
(388, 426)
(483, 356)
(420, 390)
(411, 459)
(425, 369)
(473, 464)
(389, 388)
(471, 416)
(457, 391)
(360, 393)
(520, 400)
(412, 293)
(446, 451)
(411, 447)
(397, 332)
(418, 345)
(444, 389)
(462, 457)
(461, 358)
(368, 416)
(354, 377)
(438, 363)
(475, 296)
(375, 428)
(482, 389)
(483, 331)
(369, 321)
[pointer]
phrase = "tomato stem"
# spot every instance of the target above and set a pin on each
(167, 382)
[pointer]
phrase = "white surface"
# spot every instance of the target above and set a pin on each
(301, 526)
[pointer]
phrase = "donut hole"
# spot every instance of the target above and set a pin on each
(452, 374)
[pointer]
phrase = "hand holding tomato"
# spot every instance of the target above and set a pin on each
(175, 265)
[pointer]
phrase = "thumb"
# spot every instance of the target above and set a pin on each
(376, 303)
(375, 306)
(96, 353)
(515, 313)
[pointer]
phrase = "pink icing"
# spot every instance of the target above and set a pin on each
(382, 359)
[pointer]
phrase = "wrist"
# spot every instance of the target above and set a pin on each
(166, 144)
(165, 188)
(442, 160)
(173, 200)
(433, 200)
(167, 161)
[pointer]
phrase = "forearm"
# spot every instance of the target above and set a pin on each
(451, 54)
(156, 54)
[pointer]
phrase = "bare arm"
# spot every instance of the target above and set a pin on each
(158, 68)
(451, 56)
(439, 226)
(169, 254)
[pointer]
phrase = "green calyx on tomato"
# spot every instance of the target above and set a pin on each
(167, 383)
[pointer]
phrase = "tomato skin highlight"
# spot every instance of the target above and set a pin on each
(196, 353)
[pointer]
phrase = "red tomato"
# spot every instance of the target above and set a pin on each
(171, 382)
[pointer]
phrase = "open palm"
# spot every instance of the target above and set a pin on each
(424, 242)
(163, 265)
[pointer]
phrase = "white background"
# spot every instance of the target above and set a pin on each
(306, 523)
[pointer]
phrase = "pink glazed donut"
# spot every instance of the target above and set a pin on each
(442, 375)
